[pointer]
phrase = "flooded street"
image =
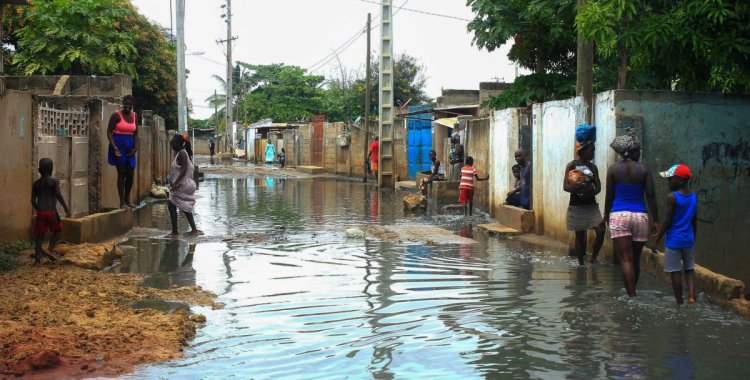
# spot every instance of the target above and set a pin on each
(304, 301)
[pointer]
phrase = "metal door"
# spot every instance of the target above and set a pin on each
(316, 141)
(419, 140)
(79, 176)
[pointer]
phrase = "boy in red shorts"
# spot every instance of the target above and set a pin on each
(466, 187)
(45, 193)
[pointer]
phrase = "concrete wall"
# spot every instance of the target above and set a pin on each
(400, 150)
(16, 142)
(503, 143)
(478, 147)
(710, 134)
(110, 86)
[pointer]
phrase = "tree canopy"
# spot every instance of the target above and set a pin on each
(693, 45)
(279, 92)
(94, 37)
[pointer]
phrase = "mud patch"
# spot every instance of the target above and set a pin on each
(63, 322)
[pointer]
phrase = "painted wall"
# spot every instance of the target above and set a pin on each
(710, 134)
(16, 139)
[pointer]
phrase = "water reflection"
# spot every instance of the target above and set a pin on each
(306, 302)
(166, 263)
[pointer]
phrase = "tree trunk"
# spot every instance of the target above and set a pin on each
(622, 69)
(585, 72)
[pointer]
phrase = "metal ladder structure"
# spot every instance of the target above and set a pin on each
(385, 93)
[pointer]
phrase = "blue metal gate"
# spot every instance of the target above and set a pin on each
(419, 140)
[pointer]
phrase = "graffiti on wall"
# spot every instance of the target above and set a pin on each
(726, 152)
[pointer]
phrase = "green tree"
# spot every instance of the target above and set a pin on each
(692, 45)
(94, 37)
(544, 40)
(409, 80)
(277, 91)
(340, 100)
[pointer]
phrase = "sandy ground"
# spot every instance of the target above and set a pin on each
(62, 321)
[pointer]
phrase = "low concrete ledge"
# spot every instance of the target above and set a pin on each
(498, 229)
(722, 290)
(311, 169)
(97, 227)
(516, 218)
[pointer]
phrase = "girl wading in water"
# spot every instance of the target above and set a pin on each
(583, 184)
(181, 187)
(627, 182)
(122, 133)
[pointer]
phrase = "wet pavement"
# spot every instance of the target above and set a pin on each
(304, 301)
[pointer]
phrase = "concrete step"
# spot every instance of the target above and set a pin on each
(498, 229)
(311, 169)
(516, 218)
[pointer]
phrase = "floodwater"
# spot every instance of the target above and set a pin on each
(303, 301)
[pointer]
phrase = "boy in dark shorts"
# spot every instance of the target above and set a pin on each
(466, 186)
(45, 193)
(680, 226)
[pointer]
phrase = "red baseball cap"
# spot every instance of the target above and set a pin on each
(679, 170)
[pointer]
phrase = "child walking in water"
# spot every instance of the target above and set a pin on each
(466, 187)
(680, 226)
(45, 193)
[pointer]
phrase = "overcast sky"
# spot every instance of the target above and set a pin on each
(302, 32)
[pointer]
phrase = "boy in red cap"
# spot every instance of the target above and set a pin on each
(680, 226)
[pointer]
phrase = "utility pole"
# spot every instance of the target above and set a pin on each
(367, 101)
(385, 97)
(585, 73)
(216, 115)
(181, 96)
(228, 128)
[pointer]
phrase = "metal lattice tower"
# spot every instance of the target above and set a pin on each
(385, 97)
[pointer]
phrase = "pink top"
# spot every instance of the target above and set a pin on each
(123, 127)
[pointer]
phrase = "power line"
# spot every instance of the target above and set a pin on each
(330, 57)
(421, 11)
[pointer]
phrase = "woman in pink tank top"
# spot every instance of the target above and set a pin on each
(122, 132)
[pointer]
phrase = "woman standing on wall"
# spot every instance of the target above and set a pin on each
(624, 208)
(122, 133)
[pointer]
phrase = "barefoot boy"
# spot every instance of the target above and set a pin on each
(680, 226)
(466, 187)
(45, 193)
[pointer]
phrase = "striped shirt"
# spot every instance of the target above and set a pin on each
(467, 177)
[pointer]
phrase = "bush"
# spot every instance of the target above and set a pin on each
(8, 251)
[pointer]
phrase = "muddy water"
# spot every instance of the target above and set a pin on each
(302, 301)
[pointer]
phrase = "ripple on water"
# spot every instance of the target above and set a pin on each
(316, 305)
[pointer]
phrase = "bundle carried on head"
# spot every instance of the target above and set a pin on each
(585, 136)
(626, 143)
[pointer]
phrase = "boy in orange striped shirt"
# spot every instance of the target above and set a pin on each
(466, 187)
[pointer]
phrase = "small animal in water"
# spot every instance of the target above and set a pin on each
(354, 233)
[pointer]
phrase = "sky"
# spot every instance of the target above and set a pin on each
(304, 32)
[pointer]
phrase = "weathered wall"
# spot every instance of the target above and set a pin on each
(16, 143)
(400, 150)
(710, 134)
(112, 86)
(305, 150)
(553, 145)
(478, 147)
(330, 131)
(503, 143)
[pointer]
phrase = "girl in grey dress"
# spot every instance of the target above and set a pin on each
(181, 187)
